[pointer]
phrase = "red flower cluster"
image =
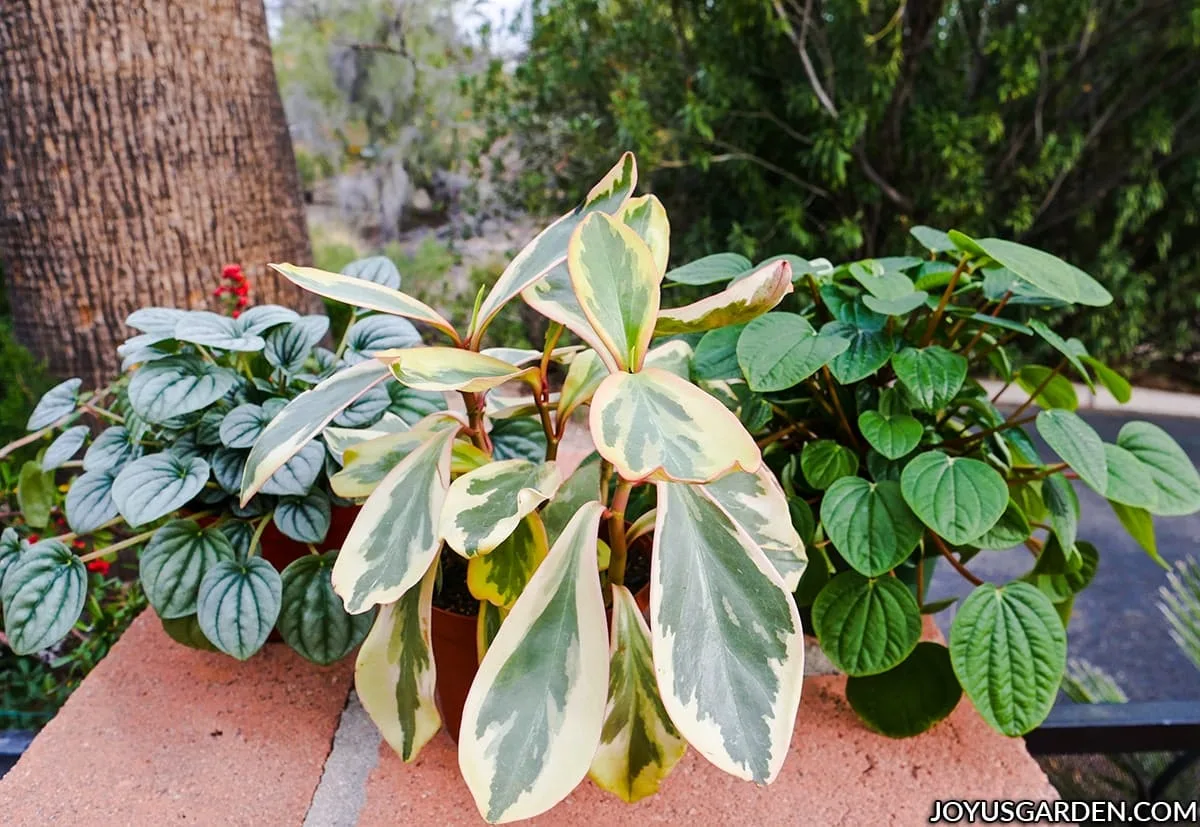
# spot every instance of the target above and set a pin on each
(238, 289)
(101, 567)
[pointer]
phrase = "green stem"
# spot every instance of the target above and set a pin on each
(258, 533)
(345, 342)
(105, 413)
(115, 547)
(616, 533)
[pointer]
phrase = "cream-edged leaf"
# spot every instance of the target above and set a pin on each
(639, 746)
(500, 576)
(616, 282)
(450, 369)
(674, 356)
(554, 297)
(647, 217)
(366, 463)
(716, 601)
(757, 503)
(740, 302)
(550, 247)
(303, 418)
(364, 294)
(534, 714)
(584, 375)
(395, 538)
(395, 675)
(652, 424)
(484, 506)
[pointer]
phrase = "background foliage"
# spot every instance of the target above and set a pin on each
(829, 127)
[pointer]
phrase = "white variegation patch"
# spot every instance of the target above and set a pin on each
(395, 538)
(740, 302)
(483, 507)
(554, 297)
(395, 675)
(337, 440)
(674, 357)
(652, 424)
(757, 503)
(586, 373)
(647, 217)
(534, 714)
(303, 418)
(707, 606)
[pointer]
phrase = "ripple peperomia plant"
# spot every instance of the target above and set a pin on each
(893, 457)
(197, 390)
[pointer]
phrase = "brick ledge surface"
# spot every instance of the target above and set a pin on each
(163, 735)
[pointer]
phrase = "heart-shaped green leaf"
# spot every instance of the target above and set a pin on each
(892, 436)
(959, 498)
(177, 385)
(935, 241)
(304, 519)
(35, 494)
(910, 698)
(238, 604)
(154, 486)
(1064, 347)
(1078, 444)
(54, 405)
(1062, 503)
(1056, 390)
(712, 269)
(42, 594)
(1010, 530)
(932, 375)
(175, 561)
(1129, 481)
(868, 351)
(1055, 579)
(866, 625)
(870, 524)
(897, 305)
(1009, 650)
(311, 617)
(1174, 475)
(779, 350)
(1113, 382)
(1048, 273)
(824, 461)
(64, 447)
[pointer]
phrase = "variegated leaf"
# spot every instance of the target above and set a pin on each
(639, 746)
(616, 282)
(716, 600)
(365, 294)
(652, 424)
(365, 464)
(484, 506)
(674, 357)
(740, 302)
(303, 418)
(534, 714)
(550, 247)
(490, 618)
(647, 217)
(500, 576)
(757, 503)
(395, 675)
(450, 369)
(554, 297)
(395, 538)
(586, 373)
(337, 440)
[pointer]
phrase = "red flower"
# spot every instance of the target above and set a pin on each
(101, 567)
(33, 538)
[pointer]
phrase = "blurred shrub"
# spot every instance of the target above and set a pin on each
(829, 127)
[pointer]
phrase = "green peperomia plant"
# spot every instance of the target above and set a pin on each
(198, 389)
(893, 457)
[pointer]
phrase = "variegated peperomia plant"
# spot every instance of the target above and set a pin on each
(562, 689)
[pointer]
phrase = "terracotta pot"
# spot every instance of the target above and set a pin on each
(454, 651)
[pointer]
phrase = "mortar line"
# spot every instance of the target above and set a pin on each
(341, 793)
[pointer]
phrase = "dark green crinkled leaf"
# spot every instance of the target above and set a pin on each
(154, 486)
(869, 524)
(957, 497)
(304, 519)
(43, 594)
(824, 461)
(519, 438)
(241, 426)
(177, 385)
(866, 625)
(64, 447)
(1078, 444)
(54, 404)
(176, 560)
(910, 698)
(238, 604)
(312, 619)
(364, 410)
(1009, 650)
(892, 436)
(931, 375)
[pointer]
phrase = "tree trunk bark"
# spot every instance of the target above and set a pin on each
(143, 146)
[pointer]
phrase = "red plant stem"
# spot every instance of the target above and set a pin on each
(958, 567)
(936, 316)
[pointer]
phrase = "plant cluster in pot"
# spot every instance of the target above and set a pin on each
(873, 448)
